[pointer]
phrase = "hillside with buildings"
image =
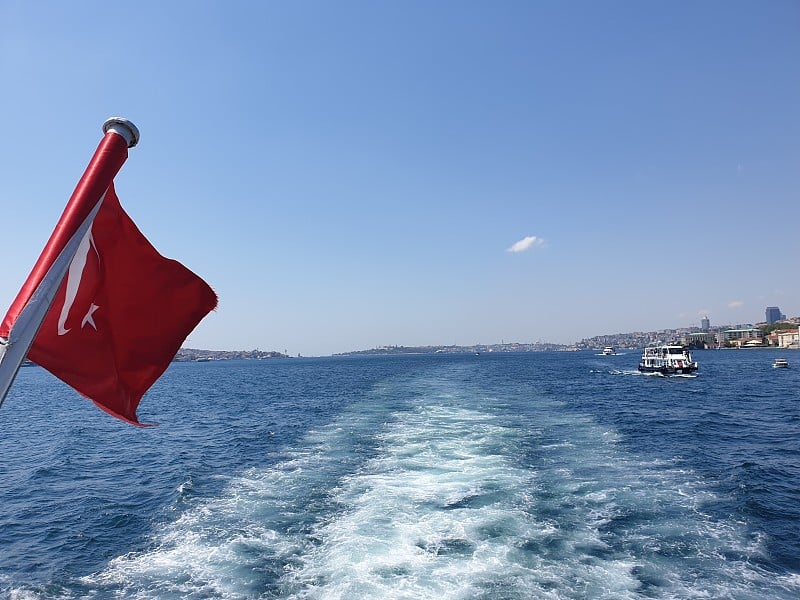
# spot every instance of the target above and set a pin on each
(776, 331)
(195, 355)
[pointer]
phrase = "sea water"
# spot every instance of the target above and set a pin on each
(543, 475)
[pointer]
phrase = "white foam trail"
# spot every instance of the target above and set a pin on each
(225, 546)
(452, 494)
(443, 512)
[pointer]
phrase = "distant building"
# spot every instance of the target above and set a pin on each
(774, 315)
(788, 338)
(700, 340)
(739, 337)
(705, 324)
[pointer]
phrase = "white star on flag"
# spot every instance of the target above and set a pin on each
(88, 318)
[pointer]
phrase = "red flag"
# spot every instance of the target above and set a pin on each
(102, 309)
(120, 315)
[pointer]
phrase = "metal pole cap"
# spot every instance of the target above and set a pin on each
(124, 128)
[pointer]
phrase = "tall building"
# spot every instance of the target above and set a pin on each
(705, 324)
(774, 315)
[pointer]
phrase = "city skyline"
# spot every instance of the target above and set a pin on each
(353, 175)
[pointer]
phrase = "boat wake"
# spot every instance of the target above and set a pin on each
(437, 488)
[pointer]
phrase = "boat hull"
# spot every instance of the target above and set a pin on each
(666, 370)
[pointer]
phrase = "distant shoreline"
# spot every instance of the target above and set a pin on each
(199, 355)
(628, 341)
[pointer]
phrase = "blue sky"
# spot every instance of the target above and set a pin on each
(355, 174)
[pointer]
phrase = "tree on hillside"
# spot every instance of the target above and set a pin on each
(780, 325)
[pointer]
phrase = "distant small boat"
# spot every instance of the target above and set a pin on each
(608, 350)
(780, 363)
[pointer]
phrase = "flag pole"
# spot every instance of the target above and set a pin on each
(26, 314)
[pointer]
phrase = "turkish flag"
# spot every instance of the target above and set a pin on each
(120, 315)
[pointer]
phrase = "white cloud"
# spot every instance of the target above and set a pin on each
(735, 304)
(525, 244)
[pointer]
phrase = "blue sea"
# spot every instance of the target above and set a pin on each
(560, 475)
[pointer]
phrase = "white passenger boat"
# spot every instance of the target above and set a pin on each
(608, 350)
(669, 359)
(780, 363)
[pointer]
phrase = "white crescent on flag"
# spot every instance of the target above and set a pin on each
(74, 277)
